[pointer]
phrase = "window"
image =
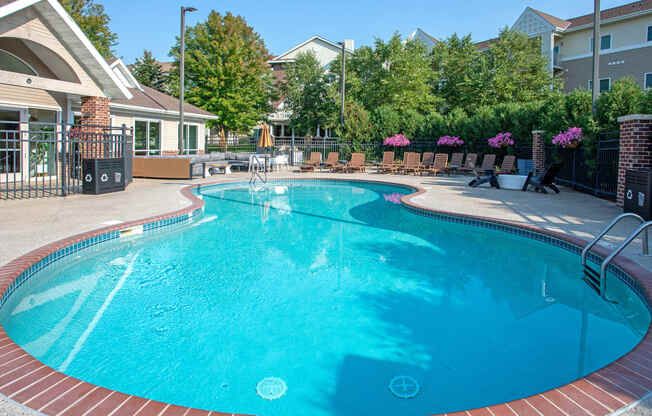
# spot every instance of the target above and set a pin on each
(649, 33)
(12, 63)
(647, 80)
(147, 137)
(10, 159)
(605, 84)
(190, 133)
(605, 42)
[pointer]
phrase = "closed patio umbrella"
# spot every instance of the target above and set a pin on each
(265, 138)
(223, 139)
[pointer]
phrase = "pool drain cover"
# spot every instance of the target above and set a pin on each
(404, 387)
(271, 388)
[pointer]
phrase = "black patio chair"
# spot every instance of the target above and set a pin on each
(542, 181)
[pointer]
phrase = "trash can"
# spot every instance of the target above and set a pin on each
(102, 176)
(638, 190)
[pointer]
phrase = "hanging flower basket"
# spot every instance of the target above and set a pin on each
(501, 140)
(570, 139)
(450, 141)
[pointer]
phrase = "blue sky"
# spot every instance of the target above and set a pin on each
(153, 24)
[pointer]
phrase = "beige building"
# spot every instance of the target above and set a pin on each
(625, 44)
(51, 73)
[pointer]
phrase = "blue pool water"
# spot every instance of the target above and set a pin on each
(334, 288)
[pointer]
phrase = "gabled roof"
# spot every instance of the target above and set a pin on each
(149, 99)
(74, 40)
(281, 57)
(485, 44)
(614, 12)
(555, 21)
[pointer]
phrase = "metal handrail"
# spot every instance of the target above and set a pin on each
(255, 170)
(603, 267)
(608, 228)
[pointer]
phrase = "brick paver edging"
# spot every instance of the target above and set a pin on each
(26, 380)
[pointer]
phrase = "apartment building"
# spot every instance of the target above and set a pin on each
(625, 44)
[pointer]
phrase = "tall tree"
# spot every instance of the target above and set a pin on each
(396, 73)
(518, 72)
(226, 71)
(460, 73)
(148, 72)
(94, 22)
(307, 95)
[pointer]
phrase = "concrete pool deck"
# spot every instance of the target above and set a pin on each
(30, 224)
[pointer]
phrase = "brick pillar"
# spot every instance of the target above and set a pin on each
(538, 152)
(95, 111)
(95, 116)
(635, 148)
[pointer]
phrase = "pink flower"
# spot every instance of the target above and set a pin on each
(449, 141)
(501, 140)
(397, 140)
(572, 135)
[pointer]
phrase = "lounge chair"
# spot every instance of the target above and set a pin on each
(312, 164)
(456, 162)
(413, 163)
(486, 172)
(469, 164)
(356, 163)
(332, 161)
(428, 159)
(542, 181)
(388, 164)
(508, 166)
(440, 164)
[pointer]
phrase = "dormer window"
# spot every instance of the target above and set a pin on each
(12, 63)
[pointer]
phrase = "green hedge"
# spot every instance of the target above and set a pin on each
(555, 114)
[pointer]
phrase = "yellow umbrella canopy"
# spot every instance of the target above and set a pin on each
(265, 137)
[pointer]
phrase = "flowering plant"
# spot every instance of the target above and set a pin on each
(450, 141)
(397, 140)
(501, 140)
(570, 138)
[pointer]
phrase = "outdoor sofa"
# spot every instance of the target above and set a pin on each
(189, 166)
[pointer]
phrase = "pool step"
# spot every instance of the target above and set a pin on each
(592, 278)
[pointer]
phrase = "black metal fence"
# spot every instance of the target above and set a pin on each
(44, 159)
(589, 168)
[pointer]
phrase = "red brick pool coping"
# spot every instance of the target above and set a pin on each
(27, 381)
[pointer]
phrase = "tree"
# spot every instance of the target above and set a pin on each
(307, 95)
(625, 97)
(460, 73)
(226, 71)
(147, 71)
(395, 73)
(94, 22)
(517, 72)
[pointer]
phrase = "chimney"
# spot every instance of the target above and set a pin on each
(349, 44)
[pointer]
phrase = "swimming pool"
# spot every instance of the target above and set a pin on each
(333, 288)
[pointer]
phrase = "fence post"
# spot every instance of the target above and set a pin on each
(292, 148)
(538, 152)
(634, 153)
(64, 171)
(596, 191)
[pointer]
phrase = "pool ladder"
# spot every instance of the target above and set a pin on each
(256, 167)
(597, 280)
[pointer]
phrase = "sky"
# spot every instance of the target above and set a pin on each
(153, 24)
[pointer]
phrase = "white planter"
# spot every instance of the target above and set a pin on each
(515, 182)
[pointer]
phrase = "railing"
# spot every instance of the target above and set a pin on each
(590, 169)
(46, 159)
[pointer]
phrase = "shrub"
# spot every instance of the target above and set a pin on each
(624, 98)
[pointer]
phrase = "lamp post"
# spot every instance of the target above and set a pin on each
(596, 53)
(342, 81)
(182, 56)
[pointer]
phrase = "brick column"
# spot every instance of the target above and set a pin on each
(538, 152)
(95, 115)
(635, 148)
